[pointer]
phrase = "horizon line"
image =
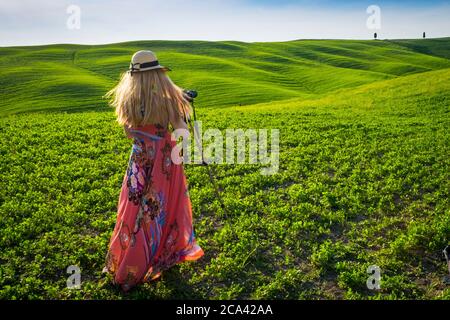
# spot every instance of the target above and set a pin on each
(199, 40)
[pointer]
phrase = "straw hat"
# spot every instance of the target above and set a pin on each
(145, 60)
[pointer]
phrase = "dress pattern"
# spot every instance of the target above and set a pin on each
(153, 230)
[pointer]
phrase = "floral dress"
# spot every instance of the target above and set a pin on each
(154, 228)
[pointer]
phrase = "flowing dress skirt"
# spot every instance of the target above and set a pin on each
(154, 228)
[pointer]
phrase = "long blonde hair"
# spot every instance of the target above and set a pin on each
(147, 97)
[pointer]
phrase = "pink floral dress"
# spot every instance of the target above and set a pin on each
(154, 228)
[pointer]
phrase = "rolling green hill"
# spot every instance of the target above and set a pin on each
(74, 77)
(363, 177)
(436, 47)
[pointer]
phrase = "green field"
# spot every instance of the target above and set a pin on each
(364, 169)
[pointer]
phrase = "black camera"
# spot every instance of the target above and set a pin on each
(190, 94)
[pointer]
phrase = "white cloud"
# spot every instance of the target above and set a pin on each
(40, 22)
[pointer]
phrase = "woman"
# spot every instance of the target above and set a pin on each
(154, 221)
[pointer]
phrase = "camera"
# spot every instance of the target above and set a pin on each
(190, 94)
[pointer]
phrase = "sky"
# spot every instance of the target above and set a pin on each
(32, 22)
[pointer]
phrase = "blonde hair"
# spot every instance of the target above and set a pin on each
(147, 97)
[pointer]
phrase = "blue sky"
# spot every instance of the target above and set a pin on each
(345, 3)
(27, 22)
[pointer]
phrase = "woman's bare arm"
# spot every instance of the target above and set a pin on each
(177, 121)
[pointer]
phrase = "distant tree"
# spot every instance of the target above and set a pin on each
(375, 36)
(424, 35)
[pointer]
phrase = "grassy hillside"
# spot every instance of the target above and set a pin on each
(436, 47)
(74, 77)
(363, 180)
